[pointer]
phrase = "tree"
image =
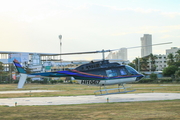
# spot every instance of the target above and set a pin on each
(132, 65)
(170, 58)
(136, 62)
(3, 74)
(144, 63)
(177, 56)
(1, 67)
(170, 70)
(153, 76)
(177, 74)
(152, 62)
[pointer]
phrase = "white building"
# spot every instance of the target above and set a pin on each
(160, 62)
(146, 45)
(173, 50)
(119, 54)
(32, 60)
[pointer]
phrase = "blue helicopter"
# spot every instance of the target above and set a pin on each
(100, 73)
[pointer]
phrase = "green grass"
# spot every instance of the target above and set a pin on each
(157, 110)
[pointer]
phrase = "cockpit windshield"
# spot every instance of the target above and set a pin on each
(131, 70)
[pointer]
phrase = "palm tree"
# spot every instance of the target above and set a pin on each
(135, 61)
(1, 66)
(152, 60)
(170, 58)
(2, 72)
(177, 56)
(144, 63)
(177, 74)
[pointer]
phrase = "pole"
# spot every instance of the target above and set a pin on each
(60, 37)
(138, 65)
(149, 65)
(103, 56)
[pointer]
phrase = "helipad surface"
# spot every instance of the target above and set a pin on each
(65, 100)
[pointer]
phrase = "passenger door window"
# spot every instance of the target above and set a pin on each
(123, 71)
(111, 73)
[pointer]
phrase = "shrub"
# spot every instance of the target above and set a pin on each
(153, 76)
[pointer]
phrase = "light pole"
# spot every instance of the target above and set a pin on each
(60, 37)
(138, 64)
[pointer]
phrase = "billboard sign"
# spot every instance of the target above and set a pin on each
(11, 57)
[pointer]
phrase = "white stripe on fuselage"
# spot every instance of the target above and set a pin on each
(106, 82)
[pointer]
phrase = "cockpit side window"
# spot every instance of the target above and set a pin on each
(131, 70)
(123, 71)
(111, 73)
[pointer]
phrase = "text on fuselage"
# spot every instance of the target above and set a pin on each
(95, 82)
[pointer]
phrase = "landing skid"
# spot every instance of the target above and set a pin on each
(101, 91)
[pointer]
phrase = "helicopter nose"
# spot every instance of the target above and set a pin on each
(139, 77)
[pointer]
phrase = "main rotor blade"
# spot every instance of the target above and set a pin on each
(83, 52)
(78, 53)
(103, 51)
(150, 45)
(144, 46)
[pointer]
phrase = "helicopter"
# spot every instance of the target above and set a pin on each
(100, 73)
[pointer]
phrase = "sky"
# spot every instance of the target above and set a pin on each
(87, 25)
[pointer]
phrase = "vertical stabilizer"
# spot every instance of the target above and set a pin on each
(19, 68)
(22, 72)
(22, 80)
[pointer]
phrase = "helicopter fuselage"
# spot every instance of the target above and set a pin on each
(107, 82)
(104, 73)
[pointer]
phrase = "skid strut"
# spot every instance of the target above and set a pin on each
(105, 91)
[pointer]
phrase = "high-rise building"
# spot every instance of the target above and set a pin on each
(120, 54)
(146, 45)
(123, 53)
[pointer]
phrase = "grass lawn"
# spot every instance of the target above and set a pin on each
(156, 110)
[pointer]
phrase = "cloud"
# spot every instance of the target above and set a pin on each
(138, 9)
(171, 14)
(150, 30)
(142, 10)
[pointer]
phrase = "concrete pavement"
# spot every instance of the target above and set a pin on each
(65, 100)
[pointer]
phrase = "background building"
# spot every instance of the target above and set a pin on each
(173, 50)
(146, 45)
(119, 54)
(160, 62)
